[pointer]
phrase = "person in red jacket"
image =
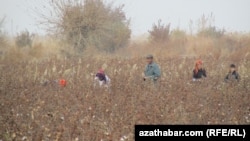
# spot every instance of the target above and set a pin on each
(199, 72)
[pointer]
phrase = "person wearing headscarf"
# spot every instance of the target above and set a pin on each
(199, 72)
(102, 78)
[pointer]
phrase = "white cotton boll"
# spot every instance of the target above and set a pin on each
(62, 118)
(45, 72)
(123, 138)
(104, 66)
(180, 66)
(143, 75)
(67, 72)
(54, 69)
(24, 138)
(134, 67)
(164, 74)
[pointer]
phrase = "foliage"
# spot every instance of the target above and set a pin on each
(24, 39)
(211, 32)
(32, 111)
(160, 32)
(178, 34)
(206, 28)
(91, 23)
(2, 34)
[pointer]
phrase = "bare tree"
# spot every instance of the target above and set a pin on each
(160, 32)
(2, 22)
(2, 34)
(206, 27)
(24, 39)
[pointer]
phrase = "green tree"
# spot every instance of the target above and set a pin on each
(90, 23)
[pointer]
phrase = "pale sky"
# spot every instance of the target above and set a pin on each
(233, 15)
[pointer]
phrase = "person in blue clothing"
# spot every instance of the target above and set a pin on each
(152, 70)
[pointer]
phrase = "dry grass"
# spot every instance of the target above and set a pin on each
(30, 111)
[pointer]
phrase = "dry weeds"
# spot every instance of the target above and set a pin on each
(30, 111)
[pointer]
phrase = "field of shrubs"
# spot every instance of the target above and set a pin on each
(83, 36)
(31, 110)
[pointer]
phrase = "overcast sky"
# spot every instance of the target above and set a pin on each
(233, 15)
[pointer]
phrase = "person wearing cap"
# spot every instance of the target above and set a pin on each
(152, 70)
(102, 78)
(198, 71)
(232, 74)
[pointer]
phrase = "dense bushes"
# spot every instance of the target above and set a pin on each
(24, 39)
(91, 23)
(159, 32)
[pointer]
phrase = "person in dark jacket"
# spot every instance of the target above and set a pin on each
(102, 79)
(198, 71)
(232, 74)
